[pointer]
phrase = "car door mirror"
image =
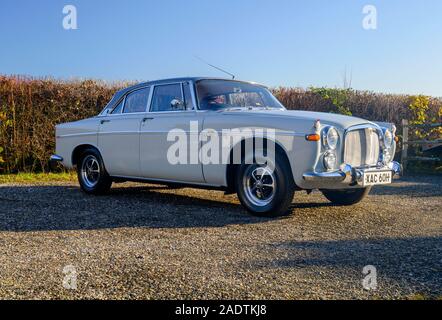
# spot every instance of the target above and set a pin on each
(177, 104)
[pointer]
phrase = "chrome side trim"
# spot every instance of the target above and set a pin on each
(78, 135)
(278, 133)
(291, 134)
(102, 133)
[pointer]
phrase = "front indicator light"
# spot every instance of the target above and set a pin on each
(313, 137)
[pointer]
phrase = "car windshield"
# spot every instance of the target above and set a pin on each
(225, 94)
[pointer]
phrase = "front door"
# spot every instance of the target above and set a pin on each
(171, 118)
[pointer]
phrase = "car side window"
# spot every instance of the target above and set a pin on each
(164, 97)
(137, 101)
(187, 96)
(118, 108)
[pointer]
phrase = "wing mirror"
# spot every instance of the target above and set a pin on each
(177, 104)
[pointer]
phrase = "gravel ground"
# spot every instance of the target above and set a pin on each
(150, 242)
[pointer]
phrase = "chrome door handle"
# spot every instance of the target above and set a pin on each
(104, 121)
(146, 119)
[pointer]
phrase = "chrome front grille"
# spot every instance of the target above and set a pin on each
(361, 147)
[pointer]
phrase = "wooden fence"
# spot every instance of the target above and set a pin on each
(406, 142)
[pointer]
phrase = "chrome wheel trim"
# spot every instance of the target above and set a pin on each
(259, 185)
(90, 171)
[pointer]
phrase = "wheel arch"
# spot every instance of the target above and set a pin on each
(231, 168)
(78, 151)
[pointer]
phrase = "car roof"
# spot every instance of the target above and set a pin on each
(124, 91)
(181, 79)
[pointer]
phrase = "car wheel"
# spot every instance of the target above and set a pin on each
(263, 191)
(346, 197)
(92, 175)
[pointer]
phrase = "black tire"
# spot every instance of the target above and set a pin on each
(92, 182)
(346, 197)
(279, 204)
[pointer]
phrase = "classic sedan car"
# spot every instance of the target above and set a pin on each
(158, 132)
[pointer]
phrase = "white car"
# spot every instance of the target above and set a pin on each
(229, 135)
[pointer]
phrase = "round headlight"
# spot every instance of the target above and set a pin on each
(330, 160)
(331, 138)
(388, 138)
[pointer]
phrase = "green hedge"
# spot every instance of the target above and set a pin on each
(30, 108)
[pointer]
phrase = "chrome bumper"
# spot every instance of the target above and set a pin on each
(346, 176)
(56, 158)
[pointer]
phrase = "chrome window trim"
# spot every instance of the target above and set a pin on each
(132, 91)
(195, 92)
(123, 99)
(161, 85)
(149, 101)
(122, 115)
(191, 80)
(195, 106)
(158, 113)
(195, 97)
(183, 99)
(192, 94)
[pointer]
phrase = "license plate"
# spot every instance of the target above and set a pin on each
(378, 177)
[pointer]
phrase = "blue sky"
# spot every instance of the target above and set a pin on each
(279, 42)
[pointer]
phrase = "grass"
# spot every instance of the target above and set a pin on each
(419, 296)
(38, 177)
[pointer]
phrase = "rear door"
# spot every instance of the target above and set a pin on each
(119, 135)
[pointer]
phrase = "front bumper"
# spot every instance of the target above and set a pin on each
(347, 176)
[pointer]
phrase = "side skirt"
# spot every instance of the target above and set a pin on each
(120, 179)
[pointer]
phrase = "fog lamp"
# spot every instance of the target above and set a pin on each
(387, 157)
(330, 160)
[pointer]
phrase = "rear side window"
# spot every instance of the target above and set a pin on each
(164, 95)
(137, 101)
(118, 108)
